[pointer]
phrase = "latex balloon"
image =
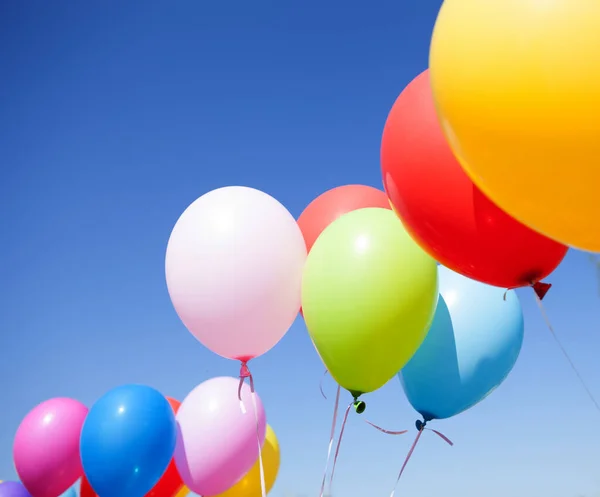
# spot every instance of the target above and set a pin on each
(368, 294)
(46, 447)
(472, 346)
(127, 441)
(217, 441)
(332, 204)
(71, 492)
(170, 483)
(234, 271)
(86, 490)
(184, 491)
(516, 85)
(13, 489)
(445, 213)
(249, 485)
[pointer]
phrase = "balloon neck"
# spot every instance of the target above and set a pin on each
(420, 425)
(541, 289)
(359, 406)
(244, 370)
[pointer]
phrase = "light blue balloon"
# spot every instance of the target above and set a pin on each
(472, 345)
(70, 493)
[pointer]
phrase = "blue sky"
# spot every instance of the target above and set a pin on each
(116, 115)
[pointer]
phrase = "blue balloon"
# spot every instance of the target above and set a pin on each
(127, 441)
(472, 345)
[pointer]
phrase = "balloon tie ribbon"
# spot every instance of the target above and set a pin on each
(421, 427)
(359, 406)
(332, 433)
(246, 374)
(339, 443)
(321, 384)
(583, 383)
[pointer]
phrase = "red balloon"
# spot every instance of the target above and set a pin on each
(86, 489)
(170, 483)
(445, 212)
(327, 207)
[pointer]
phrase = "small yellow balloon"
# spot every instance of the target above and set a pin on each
(517, 88)
(183, 492)
(249, 485)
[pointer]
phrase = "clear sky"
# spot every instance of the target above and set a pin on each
(115, 115)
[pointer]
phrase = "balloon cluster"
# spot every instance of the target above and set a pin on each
(136, 442)
(416, 282)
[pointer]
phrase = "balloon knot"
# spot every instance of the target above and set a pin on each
(245, 370)
(359, 406)
(420, 425)
(541, 289)
(245, 374)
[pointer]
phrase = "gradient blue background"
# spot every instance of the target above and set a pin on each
(115, 115)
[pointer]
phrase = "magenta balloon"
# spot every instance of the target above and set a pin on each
(217, 442)
(46, 447)
(234, 267)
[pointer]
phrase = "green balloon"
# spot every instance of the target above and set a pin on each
(369, 294)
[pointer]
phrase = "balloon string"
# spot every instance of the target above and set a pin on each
(387, 432)
(337, 448)
(331, 436)
(245, 373)
(565, 353)
(421, 428)
(321, 384)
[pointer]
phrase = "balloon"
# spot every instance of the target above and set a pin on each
(127, 441)
(71, 492)
(445, 213)
(86, 490)
(368, 294)
(13, 489)
(234, 271)
(516, 85)
(249, 485)
(472, 346)
(332, 204)
(170, 483)
(184, 491)
(46, 447)
(217, 441)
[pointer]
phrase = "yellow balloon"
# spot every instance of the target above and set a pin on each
(249, 485)
(517, 88)
(183, 492)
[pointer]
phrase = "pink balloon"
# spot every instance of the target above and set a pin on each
(46, 447)
(234, 271)
(216, 440)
